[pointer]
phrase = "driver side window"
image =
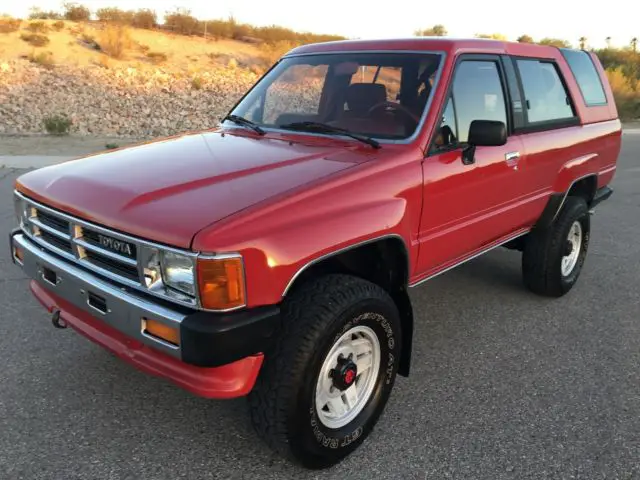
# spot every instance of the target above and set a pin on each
(477, 94)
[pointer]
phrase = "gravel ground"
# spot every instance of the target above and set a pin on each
(505, 385)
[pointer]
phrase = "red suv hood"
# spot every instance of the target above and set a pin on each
(170, 189)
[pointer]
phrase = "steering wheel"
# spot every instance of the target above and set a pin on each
(396, 107)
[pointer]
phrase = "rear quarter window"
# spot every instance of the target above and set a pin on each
(546, 97)
(586, 76)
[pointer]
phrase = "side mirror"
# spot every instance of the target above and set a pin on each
(484, 133)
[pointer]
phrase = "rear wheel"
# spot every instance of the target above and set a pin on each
(553, 257)
(327, 380)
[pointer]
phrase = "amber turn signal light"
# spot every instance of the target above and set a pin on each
(18, 254)
(221, 283)
(161, 331)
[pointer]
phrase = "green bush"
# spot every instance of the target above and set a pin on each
(37, 14)
(114, 40)
(219, 29)
(181, 21)
(157, 57)
(35, 39)
(76, 12)
(44, 59)
(196, 83)
(9, 25)
(115, 15)
(144, 18)
(57, 124)
(38, 26)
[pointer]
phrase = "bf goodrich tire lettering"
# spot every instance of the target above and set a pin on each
(316, 317)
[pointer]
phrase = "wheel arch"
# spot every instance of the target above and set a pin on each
(382, 260)
(584, 187)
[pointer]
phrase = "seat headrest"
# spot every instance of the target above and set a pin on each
(362, 96)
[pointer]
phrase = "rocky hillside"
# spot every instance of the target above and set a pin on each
(119, 101)
(113, 81)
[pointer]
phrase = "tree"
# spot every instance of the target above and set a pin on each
(76, 12)
(525, 39)
(435, 31)
(492, 36)
(634, 44)
(583, 43)
(555, 42)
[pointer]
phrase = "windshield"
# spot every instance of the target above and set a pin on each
(380, 95)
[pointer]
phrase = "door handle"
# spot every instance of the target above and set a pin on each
(512, 159)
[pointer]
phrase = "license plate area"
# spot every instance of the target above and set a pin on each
(50, 276)
(97, 303)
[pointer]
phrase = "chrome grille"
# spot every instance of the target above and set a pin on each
(83, 244)
(99, 249)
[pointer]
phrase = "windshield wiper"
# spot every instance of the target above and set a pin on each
(318, 127)
(238, 120)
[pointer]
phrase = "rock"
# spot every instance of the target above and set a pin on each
(132, 102)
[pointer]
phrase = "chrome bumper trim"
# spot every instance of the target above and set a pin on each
(125, 310)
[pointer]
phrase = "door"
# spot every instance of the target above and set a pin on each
(467, 207)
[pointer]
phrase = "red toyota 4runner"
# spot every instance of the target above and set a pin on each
(272, 256)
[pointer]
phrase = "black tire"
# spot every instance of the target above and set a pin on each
(545, 248)
(282, 402)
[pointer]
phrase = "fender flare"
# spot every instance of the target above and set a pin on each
(556, 202)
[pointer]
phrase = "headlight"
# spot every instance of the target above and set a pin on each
(178, 272)
(221, 282)
(23, 212)
(19, 206)
(220, 278)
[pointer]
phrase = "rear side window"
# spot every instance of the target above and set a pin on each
(587, 77)
(546, 97)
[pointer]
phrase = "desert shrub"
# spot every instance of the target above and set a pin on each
(111, 146)
(144, 18)
(38, 14)
(115, 15)
(76, 12)
(181, 21)
(555, 42)
(114, 40)
(196, 82)
(143, 48)
(44, 59)
(271, 52)
(219, 29)
(35, 39)
(9, 25)
(626, 92)
(57, 25)
(241, 30)
(38, 26)
(57, 124)
(157, 57)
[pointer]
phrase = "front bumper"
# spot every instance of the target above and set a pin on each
(217, 355)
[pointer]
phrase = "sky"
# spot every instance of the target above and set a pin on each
(567, 19)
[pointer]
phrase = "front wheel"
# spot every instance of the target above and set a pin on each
(327, 380)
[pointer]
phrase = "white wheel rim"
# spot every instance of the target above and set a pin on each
(335, 407)
(574, 239)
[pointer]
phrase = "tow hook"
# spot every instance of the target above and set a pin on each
(57, 321)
